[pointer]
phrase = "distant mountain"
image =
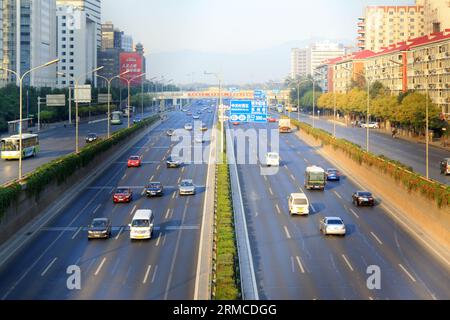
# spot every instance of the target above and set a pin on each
(256, 67)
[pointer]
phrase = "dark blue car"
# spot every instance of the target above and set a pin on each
(333, 175)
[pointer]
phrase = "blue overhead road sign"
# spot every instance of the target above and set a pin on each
(248, 111)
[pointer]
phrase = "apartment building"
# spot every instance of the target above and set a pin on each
(300, 62)
(348, 70)
(382, 26)
(436, 15)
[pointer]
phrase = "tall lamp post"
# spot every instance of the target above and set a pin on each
(368, 105)
(20, 79)
(220, 108)
(77, 147)
(427, 119)
(109, 81)
(129, 93)
(153, 90)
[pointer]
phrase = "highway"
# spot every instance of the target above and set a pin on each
(294, 261)
(56, 142)
(117, 268)
(408, 153)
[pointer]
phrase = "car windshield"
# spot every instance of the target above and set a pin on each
(300, 202)
(98, 224)
(273, 156)
(365, 194)
(332, 172)
(186, 184)
(335, 222)
(134, 158)
(140, 223)
(154, 185)
(92, 135)
(122, 191)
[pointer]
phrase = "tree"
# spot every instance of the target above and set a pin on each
(412, 112)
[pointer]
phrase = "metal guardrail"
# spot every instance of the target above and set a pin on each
(249, 288)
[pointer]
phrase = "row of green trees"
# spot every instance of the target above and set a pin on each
(406, 110)
(9, 102)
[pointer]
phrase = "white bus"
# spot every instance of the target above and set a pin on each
(116, 117)
(10, 147)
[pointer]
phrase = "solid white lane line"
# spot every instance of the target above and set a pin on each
(146, 274)
(153, 177)
(278, 209)
(167, 214)
(179, 180)
(306, 160)
(270, 190)
(98, 207)
(118, 235)
(347, 262)
(132, 211)
(288, 235)
(174, 195)
(376, 238)
(48, 267)
(265, 178)
(158, 167)
(407, 273)
(182, 170)
(76, 233)
(158, 240)
(292, 265)
(100, 267)
(154, 274)
(354, 213)
(300, 265)
(337, 194)
(292, 177)
(124, 176)
(312, 208)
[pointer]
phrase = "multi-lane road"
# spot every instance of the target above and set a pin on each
(293, 260)
(408, 153)
(162, 268)
(58, 141)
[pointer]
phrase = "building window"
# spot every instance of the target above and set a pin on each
(71, 60)
(63, 53)
(71, 68)
(71, 31)
(63, 82)
(63, 24)
(63, 38)
(71, 46)
(63, 46)
(63, 60)
(71, 39)
(63, 68)
(64, 31)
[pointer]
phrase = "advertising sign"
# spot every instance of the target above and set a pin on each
(133, 62)
(103, 97)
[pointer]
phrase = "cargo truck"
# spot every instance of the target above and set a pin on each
(284, 125)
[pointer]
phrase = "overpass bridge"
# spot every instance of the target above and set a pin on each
(185, 97)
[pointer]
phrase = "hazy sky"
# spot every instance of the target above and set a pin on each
(234, 26)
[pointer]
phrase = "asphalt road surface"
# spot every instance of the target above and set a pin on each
(161, 268)
(408, 153)
(294, 261)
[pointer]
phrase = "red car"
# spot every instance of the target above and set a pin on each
(272, 120)
(123, 195)
(235, 123)
(134, 161)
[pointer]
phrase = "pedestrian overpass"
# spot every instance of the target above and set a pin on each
(184, 97)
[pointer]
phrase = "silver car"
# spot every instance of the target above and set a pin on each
(332, 225)
(186, 187)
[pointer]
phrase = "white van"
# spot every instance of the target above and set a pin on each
(141, 226)
(273, 159)
(298, 204)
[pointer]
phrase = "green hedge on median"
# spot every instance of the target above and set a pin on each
(411, 181)
(62, 168)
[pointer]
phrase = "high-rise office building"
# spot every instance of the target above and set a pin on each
(93, 9)
(28, 40)
(127, 43)
(77, 45)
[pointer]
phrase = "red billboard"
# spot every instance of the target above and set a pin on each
(133, 62)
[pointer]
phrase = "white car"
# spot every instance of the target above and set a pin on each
(371, 125)
(188, 127)
(332, 225)
(273, 159)
(298, 204)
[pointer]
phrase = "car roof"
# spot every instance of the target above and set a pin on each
(186, 180)
(126, 188)
(154, 182)
(361, 191)
(333, 218)
(142, 214)
(315, 169)
(299, 196)
(100, 219)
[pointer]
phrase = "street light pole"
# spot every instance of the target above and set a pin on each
(129, 93)
(427, 123)
(220, 109)
(109, 81)
(21, 78)
(77, 148)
